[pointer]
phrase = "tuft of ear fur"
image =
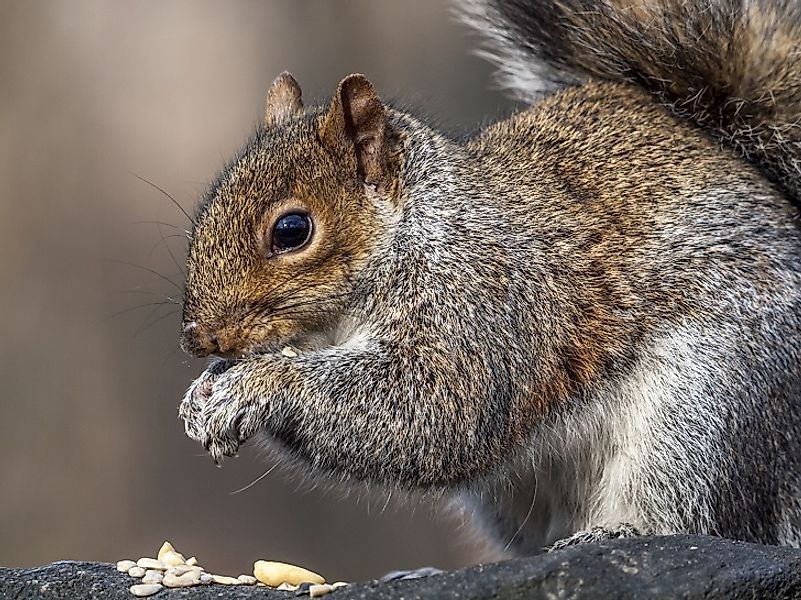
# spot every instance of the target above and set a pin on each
(732, 67)
(283, 100)
(357, 119)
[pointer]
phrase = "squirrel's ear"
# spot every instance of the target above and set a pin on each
(283, 99)
(357, 118)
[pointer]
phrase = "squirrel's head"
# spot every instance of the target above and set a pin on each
(286, 227)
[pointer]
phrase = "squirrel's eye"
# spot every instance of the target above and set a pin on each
(291, 232)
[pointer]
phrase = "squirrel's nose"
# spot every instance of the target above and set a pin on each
(202, 341)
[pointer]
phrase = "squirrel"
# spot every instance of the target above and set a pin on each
(583, 321)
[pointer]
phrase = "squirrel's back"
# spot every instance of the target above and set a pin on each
(732, 67)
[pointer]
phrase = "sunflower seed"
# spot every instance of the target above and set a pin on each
(275, 573)
(146, 589)
(151, 563)
(186, 580)
(124, 565)
(152, 577)
(317, 590)
(225, 580)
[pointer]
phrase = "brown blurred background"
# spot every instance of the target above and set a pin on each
(93, 461)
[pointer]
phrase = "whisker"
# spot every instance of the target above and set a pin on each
(146, 292)
(174, 201)
(140, 306)
(181, 229)
(149, 325)
(278, 286)
(525, 519)
(281, 307)
(162, 240)
(255, 481)
(169, 250)
(151, 271)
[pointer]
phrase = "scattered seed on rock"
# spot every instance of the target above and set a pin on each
(172, 559)
(146, 589)
(152, 577)
(151, 563)
(124, 565)
(247, 579)
(177, 581)
(165, 547)
(192, 561)
(317, 590)
(339, 584)
(136, 572)
(206, 578)
(285, 587)
(225, 580)
(182, 569)
(289, 352)
(275, 573)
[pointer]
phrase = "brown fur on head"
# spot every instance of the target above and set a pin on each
(242, 293)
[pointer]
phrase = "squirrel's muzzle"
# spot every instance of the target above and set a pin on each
(203, 341)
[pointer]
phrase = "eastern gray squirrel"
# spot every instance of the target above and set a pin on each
(589, 314)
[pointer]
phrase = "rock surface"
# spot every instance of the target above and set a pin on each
(649, 567)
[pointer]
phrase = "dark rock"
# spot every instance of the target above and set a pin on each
(649, 567)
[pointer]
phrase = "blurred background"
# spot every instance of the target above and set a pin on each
(94, 462)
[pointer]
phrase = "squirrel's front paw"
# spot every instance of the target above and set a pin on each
(227, 415)
(197, 397)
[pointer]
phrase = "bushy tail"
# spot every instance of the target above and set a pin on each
(731, 66)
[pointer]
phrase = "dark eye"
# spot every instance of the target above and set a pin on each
(291, 232)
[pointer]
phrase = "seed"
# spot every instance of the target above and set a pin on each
(182, 569)
(286, 587)
(165, 547)
(225, 580)
(172, 559)
(317, 590)
(186, 580)
(289, 352)
(247, 579)
(151, 563)
(152, 577)
(339, 584)
(124, 565)
(136, 572)
(206, 578)
(275, 573)
(146, 589)
(192, 562)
